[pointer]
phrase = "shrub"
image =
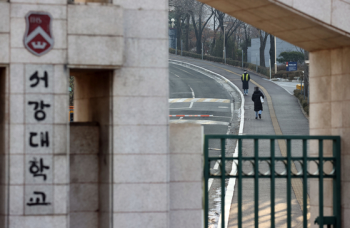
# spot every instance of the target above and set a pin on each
(303, 101)
(297, 93)
(304, 104)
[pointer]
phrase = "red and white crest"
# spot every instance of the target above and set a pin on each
(38, 37)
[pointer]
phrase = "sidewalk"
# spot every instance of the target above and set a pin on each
(290, 121)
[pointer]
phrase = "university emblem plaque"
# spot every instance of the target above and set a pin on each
(38, 37)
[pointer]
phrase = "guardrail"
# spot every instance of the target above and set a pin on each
(289, 173)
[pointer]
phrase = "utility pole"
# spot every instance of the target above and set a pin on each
(275, 56)
(256, 62)
(202, 51)
(224, 44)
(176, 46)
(242, 58)
(270, 67)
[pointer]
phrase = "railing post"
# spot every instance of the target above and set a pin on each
(206, 179)
(305, 221)
(320, 182)
(337, 183)
(256, 183)
(272, 148)
(239, 183)
(289, 185)
(223, 174)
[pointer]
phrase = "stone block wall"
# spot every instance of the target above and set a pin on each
(84, 175)
(186, 175)
(329, 115)
(123, 174)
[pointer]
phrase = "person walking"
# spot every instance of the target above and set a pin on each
(245, 82)
(256, 98)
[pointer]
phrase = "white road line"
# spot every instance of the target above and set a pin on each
(212, 100)
(192, 97)
(232, 181)
(177, 75)
(203, 122)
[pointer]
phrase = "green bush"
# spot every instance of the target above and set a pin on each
(297, 93)
(291, 74)
(302, 101)
(304, 104)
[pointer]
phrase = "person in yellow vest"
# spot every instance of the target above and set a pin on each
(245, 82)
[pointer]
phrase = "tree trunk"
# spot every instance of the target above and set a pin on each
(272, 51)
(262, 55)
(262, 48)
(178, 33)
(245, 54)
(187, 32)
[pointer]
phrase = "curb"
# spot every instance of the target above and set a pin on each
(302, 109)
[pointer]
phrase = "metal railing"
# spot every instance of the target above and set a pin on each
(289, 173)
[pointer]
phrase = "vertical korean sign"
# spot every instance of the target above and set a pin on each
(38, 40)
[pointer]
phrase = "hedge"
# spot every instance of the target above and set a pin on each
(303, 102)
(262, 70)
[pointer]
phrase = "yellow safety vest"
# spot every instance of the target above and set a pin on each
(246, 77)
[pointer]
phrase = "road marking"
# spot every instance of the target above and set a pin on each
(178, 100)
(232, 181)
(192, 97)
(182, 70)
(296, 183)
(202, 122)
(191, 115)
(222, 107)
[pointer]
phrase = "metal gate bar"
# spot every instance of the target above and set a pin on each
(334, 220)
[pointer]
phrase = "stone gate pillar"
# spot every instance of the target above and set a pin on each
(124, 91)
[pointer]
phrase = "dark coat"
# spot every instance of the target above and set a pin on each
(245, 83)
(256, 99)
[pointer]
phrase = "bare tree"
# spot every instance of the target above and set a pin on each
(182, 18)
(263, 38)
(200, 14)
(232, 24)
(247, 40)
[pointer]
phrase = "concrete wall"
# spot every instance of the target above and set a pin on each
(84, 175)
(186, 175)
(329, 114)
(118, 53)
(3, 146)
(140, 118)
(254, 50)
(92, 103)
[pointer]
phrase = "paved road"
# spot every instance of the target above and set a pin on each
(192, 93)
(290, 121)
(187, 83)
(289, 86)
